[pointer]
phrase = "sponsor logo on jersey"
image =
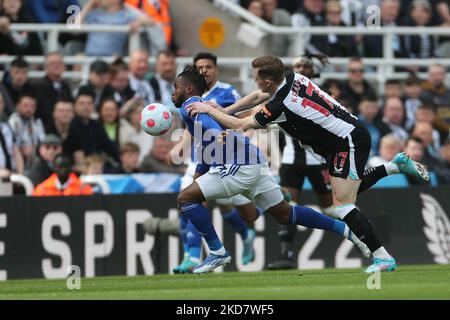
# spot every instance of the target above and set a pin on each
(267, 113)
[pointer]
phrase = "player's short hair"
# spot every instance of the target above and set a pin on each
(207, 56)
(20, 62)
(269, 67)
(194, 77)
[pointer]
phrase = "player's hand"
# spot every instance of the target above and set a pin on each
(215, 105)
(197, 107)
(222, 136)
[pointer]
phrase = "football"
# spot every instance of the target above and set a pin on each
(156, 119)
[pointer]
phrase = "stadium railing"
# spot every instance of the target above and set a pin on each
(384, 68)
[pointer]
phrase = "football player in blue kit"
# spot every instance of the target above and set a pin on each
(238, 211)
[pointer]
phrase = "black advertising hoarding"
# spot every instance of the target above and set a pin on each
(102, 235)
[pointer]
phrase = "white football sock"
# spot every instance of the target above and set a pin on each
(391, 168)
(381, 253)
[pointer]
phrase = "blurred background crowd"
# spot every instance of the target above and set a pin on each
(94, 124)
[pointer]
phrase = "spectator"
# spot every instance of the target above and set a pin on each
(431, 158)
(207, 64)
(50, 11)
(257, 8)
(138, 69)
(424, 131)
(415, 150)
(110, 12)
(86, 136)
(109, 118)
(435, 93)
(131, 131)
(98, 83)
(62, 182)
(164, 78)
(411, 100)
(279, 45)
(373, 45)
(421, 46)
(42, 166)
(392, 89)
(122, 92)
(129, 159)
(28, 130)
(390, 145)
(310, 14)
(368, 110)
(333, 87)
(160, 35)
(94, 165)
(16, 80)
(58, 11)
(17, 42)
(62, 116)
(445, 153)
(156, 160)
(334, 45)
(11, 159)
(356, 87)
(8, 105)
(426, 113)
(393, 116)
(305, 65)
(51, 88)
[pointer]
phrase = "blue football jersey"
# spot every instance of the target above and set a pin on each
(236, 149)
(223, 94)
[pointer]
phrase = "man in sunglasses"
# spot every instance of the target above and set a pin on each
(356, 87)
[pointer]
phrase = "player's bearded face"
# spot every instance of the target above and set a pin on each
(179, 94)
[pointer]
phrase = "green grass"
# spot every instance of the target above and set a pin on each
(409, 282)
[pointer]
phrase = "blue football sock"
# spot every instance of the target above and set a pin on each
(200, 218)
(310, 218)
(259, 212)
(183, 231)
(194, 242)
(236, 222)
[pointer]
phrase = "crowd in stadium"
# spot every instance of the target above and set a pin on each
(96, 123)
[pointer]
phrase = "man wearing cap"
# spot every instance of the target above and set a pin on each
(42, 167)
(98, 83)
(63, 182)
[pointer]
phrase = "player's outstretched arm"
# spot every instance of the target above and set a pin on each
(226, 120)
(249, 101)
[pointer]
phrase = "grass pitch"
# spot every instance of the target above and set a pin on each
(408, 282)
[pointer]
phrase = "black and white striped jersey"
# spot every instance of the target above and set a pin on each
(312, 116)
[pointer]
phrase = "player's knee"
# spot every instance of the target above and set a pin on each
(280, 213)
(182, 198)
